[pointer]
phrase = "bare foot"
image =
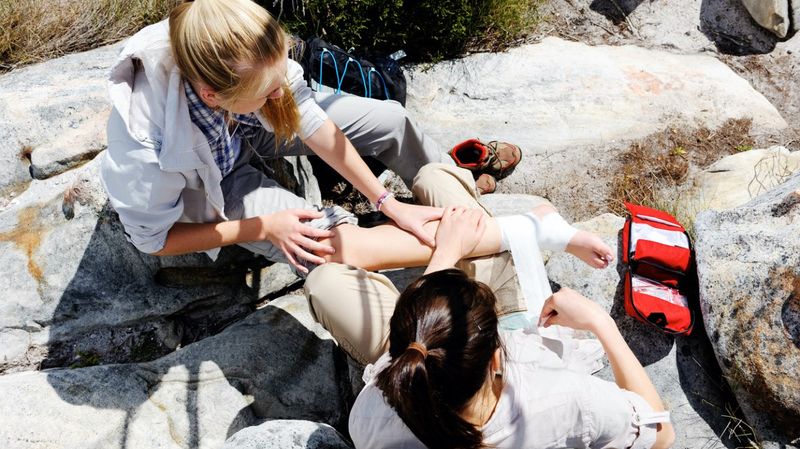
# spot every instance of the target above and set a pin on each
(590, 249)
(486, 184)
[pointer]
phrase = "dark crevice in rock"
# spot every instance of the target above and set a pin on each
(790, 314)
(787, 205)
(731, 28)
(42, 172)
(264, 300)
(135, 343)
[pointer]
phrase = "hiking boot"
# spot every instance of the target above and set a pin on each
(495, 158)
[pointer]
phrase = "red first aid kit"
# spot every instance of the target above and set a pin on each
(658, 253)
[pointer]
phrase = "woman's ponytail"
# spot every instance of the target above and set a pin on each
(443, 336)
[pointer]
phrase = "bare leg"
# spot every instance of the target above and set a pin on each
(388, 246)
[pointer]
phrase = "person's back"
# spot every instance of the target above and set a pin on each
(448, 381)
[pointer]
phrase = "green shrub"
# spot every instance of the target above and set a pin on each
(428, 30)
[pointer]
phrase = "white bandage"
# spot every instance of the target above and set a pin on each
(524, 235)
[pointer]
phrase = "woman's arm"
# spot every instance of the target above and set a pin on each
(284, 229)
(569, 308)
(330, 143)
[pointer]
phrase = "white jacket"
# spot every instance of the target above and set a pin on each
(158, 168)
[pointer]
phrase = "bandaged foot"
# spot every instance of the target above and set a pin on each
(591, 249)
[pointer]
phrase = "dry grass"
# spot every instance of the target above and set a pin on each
(654, 169)
(34, 30)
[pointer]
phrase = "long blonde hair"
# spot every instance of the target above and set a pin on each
(225, 44)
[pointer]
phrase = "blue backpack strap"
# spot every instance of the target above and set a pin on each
(383, 82)
(335, 68)
(344, 72)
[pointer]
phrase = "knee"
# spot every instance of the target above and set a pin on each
(395, 111)
(318, 281)
(429, 176)
(390, 116)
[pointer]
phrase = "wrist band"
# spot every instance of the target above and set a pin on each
(382, 199)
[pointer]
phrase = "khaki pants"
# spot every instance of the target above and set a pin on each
(355, 305)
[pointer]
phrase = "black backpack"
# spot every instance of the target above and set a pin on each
(329, 68)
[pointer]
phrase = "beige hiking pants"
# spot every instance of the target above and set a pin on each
(355, 305)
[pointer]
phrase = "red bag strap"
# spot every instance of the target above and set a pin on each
(653, 217)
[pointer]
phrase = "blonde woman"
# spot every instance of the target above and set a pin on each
(195, 97)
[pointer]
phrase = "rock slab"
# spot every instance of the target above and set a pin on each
(53, 115)
(275, 364)
(573, 108)
(558, 95)
(74, 291)
(748, 261)
(737, 179)
(287, 434)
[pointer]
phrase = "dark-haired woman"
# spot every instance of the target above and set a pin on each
(453, 379)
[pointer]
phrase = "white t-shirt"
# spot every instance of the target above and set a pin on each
(542, 405)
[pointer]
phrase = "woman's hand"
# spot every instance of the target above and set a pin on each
(569, 308)
(459, 232)
(412, 218)
(286, 230)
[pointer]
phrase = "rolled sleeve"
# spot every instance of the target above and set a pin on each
(311, 114)
(147, 199)
(620, 418)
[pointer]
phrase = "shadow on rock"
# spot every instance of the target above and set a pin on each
(271, 365)
(617, 11)
(648, 344)
(121, 305)
(728, 24)
(707, 391)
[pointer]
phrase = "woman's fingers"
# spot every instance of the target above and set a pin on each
(423, 235)
(313, 245)
(301, 253)
(307, 214)
(293, 262)
(318, 233)
(548, 309)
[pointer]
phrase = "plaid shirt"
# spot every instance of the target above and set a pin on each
(213, 125)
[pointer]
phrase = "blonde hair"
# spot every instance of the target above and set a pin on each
(226, 44)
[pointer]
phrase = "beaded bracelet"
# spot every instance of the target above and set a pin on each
(382, 199)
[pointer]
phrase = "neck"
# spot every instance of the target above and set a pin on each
(480, 409)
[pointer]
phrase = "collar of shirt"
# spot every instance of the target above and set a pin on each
(214, 127)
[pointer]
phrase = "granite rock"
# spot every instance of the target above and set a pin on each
(748, 260)
(287, 434)
(275, 364)
(773, 15)
(736, 179)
